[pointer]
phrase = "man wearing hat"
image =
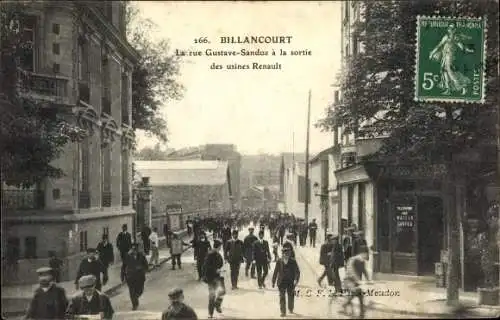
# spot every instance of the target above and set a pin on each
(248, 248)
(313, 227)
(234, 255)
(178, 309)
(358, 241)
(49, 300)
(355, 269)
(288, 244)
(123, 243)
(286, 275)
(324, 259)
(201, 246)
(262, 258)
(91, 265)
(336, 261)
(212, 276)
(90, 301)
(136, 267)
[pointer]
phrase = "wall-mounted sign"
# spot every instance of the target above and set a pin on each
(405, 225)
(405, 216)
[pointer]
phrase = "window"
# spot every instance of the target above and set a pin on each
(83, 71)
(30, 248)
(27, 58)
(13, 249)
(83, 241)
(105, 231)
(56, 48)
(56, 194)
(56, 68)
(125, 100)
(56, 28)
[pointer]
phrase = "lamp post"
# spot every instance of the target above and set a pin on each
(323, 204)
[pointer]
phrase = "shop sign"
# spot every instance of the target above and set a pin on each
(405, 217)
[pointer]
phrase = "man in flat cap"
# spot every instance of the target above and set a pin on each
(201, 246)
(178, 309)
(324, 259)
(136, 267)
(355, 270)
(288, 244)
(286, 275)
(92, 265)
(212, 276)
(248, 248)
(234, 255)
(89, 301)
(123, 243)
(49, 300)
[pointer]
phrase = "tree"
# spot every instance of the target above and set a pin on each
(32, 134)
(378, 90)
(151, 154)
(154, 77)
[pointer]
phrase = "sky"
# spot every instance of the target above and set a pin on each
(260, 111)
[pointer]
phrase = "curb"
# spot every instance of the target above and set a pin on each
(111, 292)
(461, 310)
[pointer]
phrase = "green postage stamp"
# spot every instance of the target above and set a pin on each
(450, 60)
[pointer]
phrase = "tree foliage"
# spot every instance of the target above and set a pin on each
(151, 154)
(378, 89)
(154, 77)
(32, 134)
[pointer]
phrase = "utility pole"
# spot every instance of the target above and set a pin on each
(306, 204)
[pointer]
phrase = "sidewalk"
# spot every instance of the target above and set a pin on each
(413, 296)
(15, 299)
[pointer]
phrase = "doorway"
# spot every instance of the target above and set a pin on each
(430, 233)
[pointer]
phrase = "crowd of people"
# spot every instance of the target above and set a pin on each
(50, 302)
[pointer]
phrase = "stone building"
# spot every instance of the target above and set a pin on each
(212, 152)
(81, 62)
(197, 187)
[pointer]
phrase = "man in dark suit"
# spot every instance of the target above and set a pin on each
(201, 246)
(336, 261)
(324, 259)
(226, 234)
(313, 227)
(49, 300)
(135, 273)
(92, 266)
(248, 247)
(123, 243)
(105, 251)
(234, 255)
(286, 275)
(212, 276)
(262, 258)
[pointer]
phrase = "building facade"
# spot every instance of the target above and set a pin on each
(81, 62)
(212, 152)
(197, 187)
(294, 189)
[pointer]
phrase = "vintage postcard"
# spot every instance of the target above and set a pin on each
(250, 159)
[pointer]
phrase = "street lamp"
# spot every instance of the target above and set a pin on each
(323, 204)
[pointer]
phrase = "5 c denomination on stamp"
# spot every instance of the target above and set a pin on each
(450, 59)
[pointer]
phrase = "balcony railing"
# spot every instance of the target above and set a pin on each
(125, 199)
(84, 201)
(106, 199)
(23, 199)
(45, 85)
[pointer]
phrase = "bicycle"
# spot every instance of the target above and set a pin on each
(359, 289)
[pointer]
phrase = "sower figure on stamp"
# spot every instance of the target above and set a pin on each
(286, 275)
(123, 243)
(212, 276)
(90, 301)
(49, 300)
(234, 255)
(135, 273)
(248, 247)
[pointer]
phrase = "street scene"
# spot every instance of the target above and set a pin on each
(250, 160)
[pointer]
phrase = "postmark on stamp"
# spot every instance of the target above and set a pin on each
(450, 59)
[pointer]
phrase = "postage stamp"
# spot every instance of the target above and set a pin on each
(450, 59)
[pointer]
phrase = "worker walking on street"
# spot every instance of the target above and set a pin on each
(176, 249)
(89, 301)
(248, 247)
(234, 255)
(286, 275)
(49, 301)
(212, 268)
(135, 274)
